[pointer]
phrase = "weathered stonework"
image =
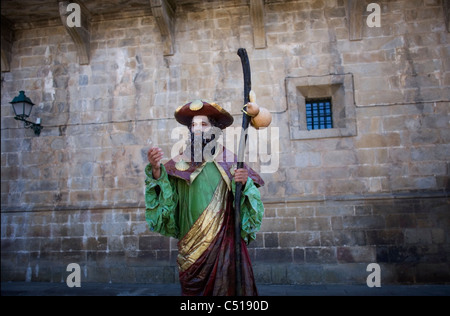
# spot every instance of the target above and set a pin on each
(336, 203)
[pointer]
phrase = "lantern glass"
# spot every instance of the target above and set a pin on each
(22, 105)
(22, 109)
(17, 109)
(27, 107)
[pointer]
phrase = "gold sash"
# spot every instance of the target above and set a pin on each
(204, 230)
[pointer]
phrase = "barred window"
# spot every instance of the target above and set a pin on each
(337, 115)
(319, 114)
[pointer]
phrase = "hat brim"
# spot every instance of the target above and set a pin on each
(185, 113)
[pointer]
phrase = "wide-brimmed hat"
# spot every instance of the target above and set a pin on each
(185, 113)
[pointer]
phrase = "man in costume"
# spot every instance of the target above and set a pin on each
(191, 198)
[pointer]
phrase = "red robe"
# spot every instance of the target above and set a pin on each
(214, 271)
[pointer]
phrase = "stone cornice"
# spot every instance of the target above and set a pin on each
(7, 37)
(258, 25)
(164, 13)
(81, 35)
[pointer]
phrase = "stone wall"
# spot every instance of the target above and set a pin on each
(378, 193)
(299, 243)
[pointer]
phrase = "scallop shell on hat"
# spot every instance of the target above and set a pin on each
(196, 105)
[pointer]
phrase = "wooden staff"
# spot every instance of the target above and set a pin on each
(240, 164)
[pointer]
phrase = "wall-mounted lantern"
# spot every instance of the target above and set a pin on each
(22, 107)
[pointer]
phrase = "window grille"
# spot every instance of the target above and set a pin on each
(319, 114)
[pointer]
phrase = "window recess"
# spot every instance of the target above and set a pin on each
(321, 106)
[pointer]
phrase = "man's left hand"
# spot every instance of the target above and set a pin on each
(241, 175)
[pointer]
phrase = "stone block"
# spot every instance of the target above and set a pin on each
(356, 254)
(277, 224)
(279, 274)
(299, 255)
(300, 239)
(363, 209)
(153, 242)
(303, 160)
(433, 273)
(273, 255)
(330, 209)
(418, 236)
(156, 275)
(401, 221)
(399, 274)
(32, 61)
(119, 275)
(72, 244)
(377, 140)
(373, 156)
(97, 274)
(363, 222)
(320, 255)
(397, 254)
(372, 56)
(96, 243)
(262, 273)
(271, 240)
(352, 273)
(342, 187)
(45, 275)
(304, 273)
(343, 238)
(385, 237)
(295, 211)
(11, 245)
(313, 224)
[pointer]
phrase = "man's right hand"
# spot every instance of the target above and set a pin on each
(154, 156)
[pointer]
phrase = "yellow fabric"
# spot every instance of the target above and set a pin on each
(204, 230)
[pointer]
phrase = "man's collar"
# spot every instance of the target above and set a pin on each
(223, 158)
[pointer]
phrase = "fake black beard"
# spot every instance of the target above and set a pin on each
(197, 145)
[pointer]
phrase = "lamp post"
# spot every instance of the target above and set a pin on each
(22, 107)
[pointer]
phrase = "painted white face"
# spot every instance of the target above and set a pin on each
(200, 123)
